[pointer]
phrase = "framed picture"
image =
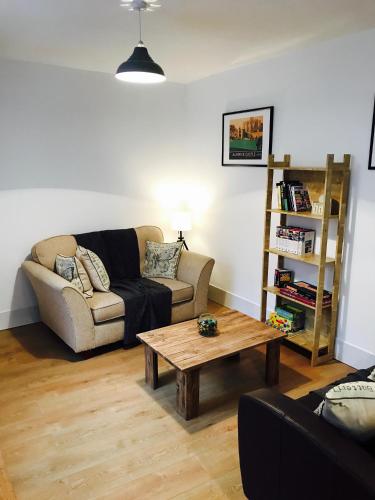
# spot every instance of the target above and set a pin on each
(247, 137)
(371, 157)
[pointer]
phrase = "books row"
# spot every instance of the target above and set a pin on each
(288, 319)
(292, 196)
(296, 240)
(305, 293)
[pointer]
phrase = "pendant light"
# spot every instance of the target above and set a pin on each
(140, 68)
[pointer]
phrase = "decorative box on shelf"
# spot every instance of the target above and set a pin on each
(317, 208)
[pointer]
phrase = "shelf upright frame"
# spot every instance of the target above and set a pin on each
(318, 317)
(267, 231)
(338, 258)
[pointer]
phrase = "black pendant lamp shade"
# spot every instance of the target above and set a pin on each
(140, 68)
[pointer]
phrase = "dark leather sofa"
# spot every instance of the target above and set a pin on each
(289, 453)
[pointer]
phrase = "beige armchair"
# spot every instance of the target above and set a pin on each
(84, 323)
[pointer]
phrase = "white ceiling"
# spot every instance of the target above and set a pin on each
(190, 39)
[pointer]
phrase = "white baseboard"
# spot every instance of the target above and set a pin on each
(346, 352)
(353, 355)
(234, 301)
(19, 317)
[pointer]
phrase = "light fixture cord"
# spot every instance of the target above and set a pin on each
(140, 25)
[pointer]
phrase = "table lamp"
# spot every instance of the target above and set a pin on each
(181, 221)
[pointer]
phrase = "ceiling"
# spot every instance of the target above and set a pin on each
(190, 39)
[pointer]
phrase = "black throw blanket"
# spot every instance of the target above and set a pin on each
(148, 304)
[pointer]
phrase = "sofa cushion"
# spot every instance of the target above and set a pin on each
(95, 269)
(106, 306)
(161, 260)
(181, 291)
(45, 251)
(351, 408)
(359, 375)
(147, 233)
(71, 269)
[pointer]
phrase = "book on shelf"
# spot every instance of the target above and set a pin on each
(286, 325)
(282, 277)
(296, 240)
(292, 196)
(300, 199)
(307, 289)
(293, 313)
(305, 293)
(282, 324)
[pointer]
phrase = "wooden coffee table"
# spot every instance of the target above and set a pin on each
(186, 350)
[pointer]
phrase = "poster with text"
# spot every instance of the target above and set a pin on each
(247, 137)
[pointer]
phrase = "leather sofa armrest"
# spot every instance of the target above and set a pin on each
(62, 307)
(287, 452)
(196, 269)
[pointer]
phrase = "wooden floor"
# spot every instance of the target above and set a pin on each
(87, 429)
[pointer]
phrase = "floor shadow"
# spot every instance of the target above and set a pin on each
(41, 342)
(221, 385)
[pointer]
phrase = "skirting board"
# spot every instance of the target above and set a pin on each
(345, 352)
(19, 317)
(233, 301)
(353, 355)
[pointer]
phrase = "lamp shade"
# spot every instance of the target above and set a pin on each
(140, 68)
(181, 221)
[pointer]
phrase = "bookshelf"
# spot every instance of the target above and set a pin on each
(318, 338)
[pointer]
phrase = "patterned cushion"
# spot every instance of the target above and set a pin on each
(161, 259)
(351, 408)
(94, 268)
(72, 270)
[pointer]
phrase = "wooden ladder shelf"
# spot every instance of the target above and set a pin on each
(332, 181)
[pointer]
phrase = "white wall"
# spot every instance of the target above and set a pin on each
(323, 98)
(79, 151)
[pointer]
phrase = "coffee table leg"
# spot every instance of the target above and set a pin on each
(187, 400)
(272, 362)
(151, 367)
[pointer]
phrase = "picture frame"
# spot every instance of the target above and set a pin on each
(371, 156)
(247, 137)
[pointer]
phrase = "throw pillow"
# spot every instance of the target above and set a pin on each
(372, 375)
(94, 268)
(73, 271)
(351, 408)
(161, 259)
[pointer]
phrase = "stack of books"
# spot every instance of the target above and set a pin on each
(305, 293)
(288, 319)
(292, 196)
(297, 240)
